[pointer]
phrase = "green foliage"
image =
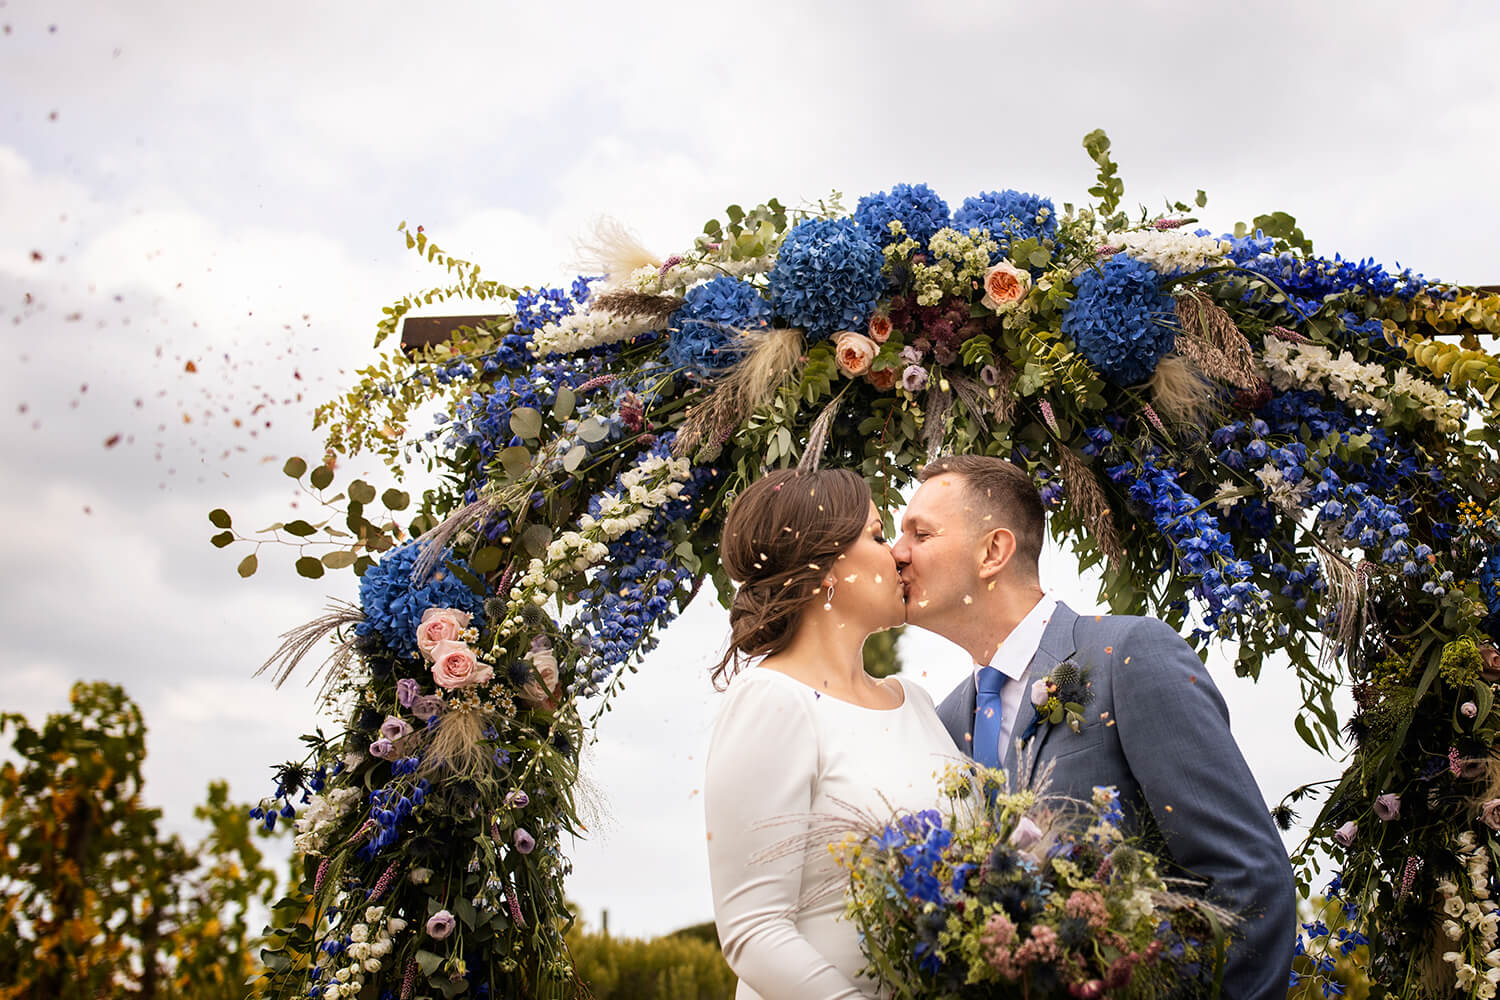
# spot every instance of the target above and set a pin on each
(881, 655)
(680, 966)
(1108, 187)
(97, 900)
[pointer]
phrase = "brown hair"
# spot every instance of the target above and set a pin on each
(781, 537)
(1005, 490)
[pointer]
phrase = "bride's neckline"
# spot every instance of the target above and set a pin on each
(831, 697)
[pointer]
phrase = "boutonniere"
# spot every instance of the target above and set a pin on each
(1060, 697)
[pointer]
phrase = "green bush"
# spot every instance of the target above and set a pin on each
(680, 966)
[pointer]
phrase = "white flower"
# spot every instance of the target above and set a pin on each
(1453, 906)
(419, 876)
(1453, 930)
(358, 951)
(580, 331)
(395, 925)
(372, 965)
(1170, 251)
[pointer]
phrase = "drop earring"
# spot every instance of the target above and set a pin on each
(828, 601)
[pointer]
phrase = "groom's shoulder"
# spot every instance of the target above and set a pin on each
(1138, 628)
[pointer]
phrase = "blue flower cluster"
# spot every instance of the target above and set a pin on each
(535, 309)
(1120, 320)
(1489, 580)
(388, 807)
(1007, 216)
(919, 209)
(703, 335)
(394, 604)
(628, 598)
(827, 277)
(920, 838)
(1345, 940)
(1310, 281)
(1225, 581)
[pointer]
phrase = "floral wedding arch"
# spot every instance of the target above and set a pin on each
(1284, 452)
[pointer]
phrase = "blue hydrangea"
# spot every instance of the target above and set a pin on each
(916, 206)
(1120, 320)
(1007, 215)
(393, 604)
(827, 277)
(702, 334)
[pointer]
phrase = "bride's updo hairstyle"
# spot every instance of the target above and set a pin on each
(781, 538)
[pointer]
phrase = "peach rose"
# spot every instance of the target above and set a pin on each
(880, 328)
(884, 380)
(440, 625)
(1491, 669)
(454, 665)
(1004, 286)
(854, 352)
(542, 688)
(1489, 812)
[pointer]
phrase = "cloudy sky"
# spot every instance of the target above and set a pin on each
(198, 206)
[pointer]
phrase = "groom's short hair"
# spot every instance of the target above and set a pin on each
(1003, 490)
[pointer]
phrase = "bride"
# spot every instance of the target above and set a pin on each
(806, 732)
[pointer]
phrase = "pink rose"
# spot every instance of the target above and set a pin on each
(1004, 286)
(1025, 834)
(1469, 709)
(884, 380)
(880, 328)
(454, 665)
(1387, 807)
(394, 729)
(440, 625)
(1490, 813)
(1345, 834)
(854, 352)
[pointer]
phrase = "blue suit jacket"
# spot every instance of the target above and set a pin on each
(1165, 744)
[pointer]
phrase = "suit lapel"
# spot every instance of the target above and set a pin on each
(1056, 646)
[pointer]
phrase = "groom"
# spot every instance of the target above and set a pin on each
(1156, 727)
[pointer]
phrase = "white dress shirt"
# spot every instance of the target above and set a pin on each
(1011, 659)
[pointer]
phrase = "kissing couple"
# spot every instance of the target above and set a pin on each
(804, 731)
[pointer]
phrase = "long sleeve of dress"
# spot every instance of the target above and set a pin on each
(762, 764)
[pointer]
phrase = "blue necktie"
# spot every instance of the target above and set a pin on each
(987, 717)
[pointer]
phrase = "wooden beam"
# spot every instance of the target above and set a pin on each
(418, 332)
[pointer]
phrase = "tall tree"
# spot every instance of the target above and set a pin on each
(97, 902)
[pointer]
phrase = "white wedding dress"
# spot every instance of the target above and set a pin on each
(782, 750)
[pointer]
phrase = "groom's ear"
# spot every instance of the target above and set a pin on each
(999, 547)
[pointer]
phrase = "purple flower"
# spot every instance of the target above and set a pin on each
(517, 799)
(1345, 834)
(440, 925)
(382, 748)
(1387, 807)
(406, 690)
(912, 354)
(426, 706)
(394, 729)
(914, 379)
(1469, 709)
(524, 841)
(1025, 834)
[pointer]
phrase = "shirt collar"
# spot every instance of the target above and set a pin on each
(1016, 651)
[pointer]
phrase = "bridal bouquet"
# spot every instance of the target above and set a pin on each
(1019, 896)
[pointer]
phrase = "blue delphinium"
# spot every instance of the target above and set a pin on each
(919, 209)
(1120, 319)
(827, 277)
(628, 598)
(1310, 281)
(1008, 216)
(702, 336)
(1489, 579)
(394, 604)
